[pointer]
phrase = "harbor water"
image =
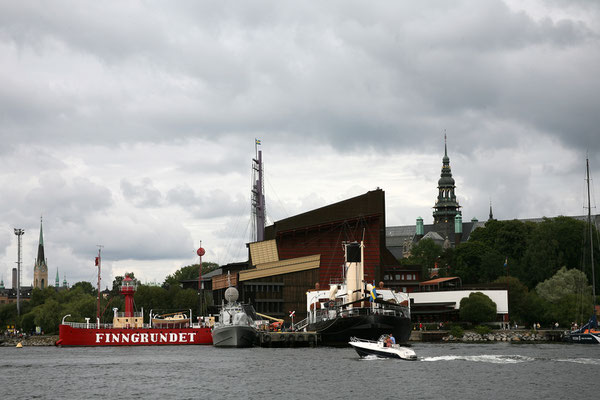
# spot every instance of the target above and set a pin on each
(451, 371)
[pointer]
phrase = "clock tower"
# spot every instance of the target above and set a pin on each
(446, 206)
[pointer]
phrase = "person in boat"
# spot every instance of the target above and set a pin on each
(392, 340)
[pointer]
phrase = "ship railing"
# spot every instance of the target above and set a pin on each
(85, 325)
(122, 314)
(301, 324)
(326, 314)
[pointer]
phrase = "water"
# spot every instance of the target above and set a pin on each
(451, 371)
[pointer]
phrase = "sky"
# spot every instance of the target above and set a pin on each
(132, 124)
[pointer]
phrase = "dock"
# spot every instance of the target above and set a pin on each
(288, 339)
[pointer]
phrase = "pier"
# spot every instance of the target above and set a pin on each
(288, 339)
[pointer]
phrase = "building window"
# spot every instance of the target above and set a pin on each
(404, 289)
(386, 277)
(397, 277)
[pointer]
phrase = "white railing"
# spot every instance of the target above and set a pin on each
(122, 315)
(83, 325)
(91, 325)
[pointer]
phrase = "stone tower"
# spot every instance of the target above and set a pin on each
(446, 206)
(40, 270)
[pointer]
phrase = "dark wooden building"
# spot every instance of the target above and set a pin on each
(306, 249)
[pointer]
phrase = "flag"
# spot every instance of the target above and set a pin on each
(505, 262)
(257, 141)
(373, 294)
(97, 261)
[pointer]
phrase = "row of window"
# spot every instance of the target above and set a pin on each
(262, 288)
(400, 277)
(268, 307)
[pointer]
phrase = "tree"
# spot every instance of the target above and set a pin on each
(475, 262)
(189, 273)
(425, 253)
(477, 308)
(517, 297)
(86, 287)
(564, 282)
(118, 281)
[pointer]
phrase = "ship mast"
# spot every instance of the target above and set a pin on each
(258, 197)
(589, 220)
(99, 265)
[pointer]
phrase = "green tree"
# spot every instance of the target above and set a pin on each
(517, 297)
(425, 253)
(188, 273)
(86, 287)
(475, 262)
(563, 283)
(48, 315)
(118, 281)
(552, 244)
(151, 298)
(477, 308)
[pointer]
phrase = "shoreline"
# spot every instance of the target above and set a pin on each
(45, 340)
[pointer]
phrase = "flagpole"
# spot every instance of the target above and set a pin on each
(507, 292)
(99, 264)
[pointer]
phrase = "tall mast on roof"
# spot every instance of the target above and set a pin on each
(258, 197)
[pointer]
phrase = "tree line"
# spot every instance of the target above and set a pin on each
(48, 306)
(544, 265)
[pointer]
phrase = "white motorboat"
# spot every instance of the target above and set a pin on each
(379, 348)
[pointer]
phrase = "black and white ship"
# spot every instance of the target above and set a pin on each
(353, 308)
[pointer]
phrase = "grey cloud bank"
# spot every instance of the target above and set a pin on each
(132, 125)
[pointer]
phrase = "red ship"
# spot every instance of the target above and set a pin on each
(128, 329)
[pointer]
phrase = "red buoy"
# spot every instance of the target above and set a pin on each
(201, 252)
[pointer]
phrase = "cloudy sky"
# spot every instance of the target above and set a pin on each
(131, 124)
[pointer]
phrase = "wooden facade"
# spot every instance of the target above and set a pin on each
(306, 249)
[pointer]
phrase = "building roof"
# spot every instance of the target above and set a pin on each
(437, 281)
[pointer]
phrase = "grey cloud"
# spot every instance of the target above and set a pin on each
(207, 204)
(143, 194)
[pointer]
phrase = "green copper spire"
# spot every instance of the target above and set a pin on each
(57, 279)
(446, 206)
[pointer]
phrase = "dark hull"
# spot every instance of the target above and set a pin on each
(338, 331)
(584, 338)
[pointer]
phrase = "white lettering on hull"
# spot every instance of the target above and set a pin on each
(158, 337)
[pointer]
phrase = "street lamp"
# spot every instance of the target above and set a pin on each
(19, 232)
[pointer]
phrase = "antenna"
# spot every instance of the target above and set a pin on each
(99, 264)
(258, 197)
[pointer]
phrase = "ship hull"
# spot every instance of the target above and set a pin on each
(71, 336)
(338, 331)
(234, 336)
(585, 338)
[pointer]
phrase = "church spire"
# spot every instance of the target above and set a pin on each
(40, 269)
(40, 256)
(446, 206)
(491, 217)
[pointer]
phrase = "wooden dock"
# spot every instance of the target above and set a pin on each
(288, 339)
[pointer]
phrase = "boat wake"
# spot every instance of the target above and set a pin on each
(587, 361)
(485, 358)
(371, 358)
